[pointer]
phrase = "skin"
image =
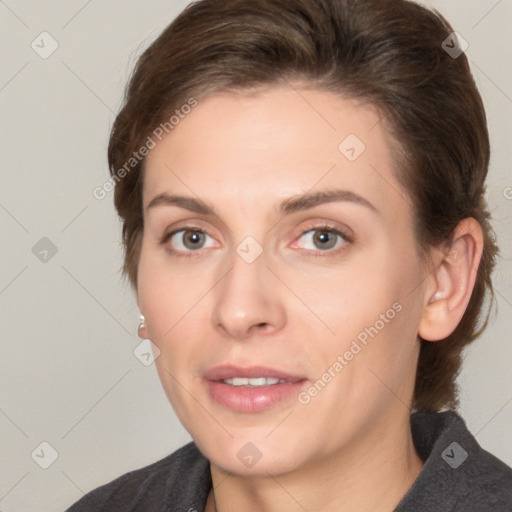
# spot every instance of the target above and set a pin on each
(298, 306)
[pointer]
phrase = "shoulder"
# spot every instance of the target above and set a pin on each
(458, 474)
(180, 481)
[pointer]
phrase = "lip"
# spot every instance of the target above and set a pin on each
(229, 371)
(251, 399)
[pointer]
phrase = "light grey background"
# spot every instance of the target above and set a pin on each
(68, 375)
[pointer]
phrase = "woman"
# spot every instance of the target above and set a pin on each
(301, 185)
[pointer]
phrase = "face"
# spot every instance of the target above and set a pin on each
(278, 247)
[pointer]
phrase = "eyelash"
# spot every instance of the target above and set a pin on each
(315, 227)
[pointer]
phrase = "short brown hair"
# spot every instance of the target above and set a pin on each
(386, 52)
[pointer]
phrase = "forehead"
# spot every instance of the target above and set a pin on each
(269, 146)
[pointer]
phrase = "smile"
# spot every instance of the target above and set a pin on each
(251, 389)
(253, 382)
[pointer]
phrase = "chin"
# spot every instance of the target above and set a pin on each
(262, 467)
(252, 454)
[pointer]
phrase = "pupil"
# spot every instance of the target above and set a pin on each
(192, 238)
(325, 239)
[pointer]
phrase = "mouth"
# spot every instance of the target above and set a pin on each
(255, 382)
(252, 389)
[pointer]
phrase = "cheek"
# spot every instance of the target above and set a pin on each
(170, 300)
(345, 299)
(164, 292)
(371, 307)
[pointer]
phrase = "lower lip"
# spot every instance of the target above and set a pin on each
(256, 399)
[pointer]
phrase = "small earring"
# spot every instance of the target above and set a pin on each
(437, 296)
(142, 325)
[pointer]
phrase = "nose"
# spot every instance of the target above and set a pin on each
(248, 300)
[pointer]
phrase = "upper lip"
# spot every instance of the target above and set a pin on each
(229, 372)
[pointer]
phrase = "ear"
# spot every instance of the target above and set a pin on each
(450, 285)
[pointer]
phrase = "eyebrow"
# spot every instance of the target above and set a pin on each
(312, 199)
(291, 205)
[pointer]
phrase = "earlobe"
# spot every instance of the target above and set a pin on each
(451, 284)
(142, 330)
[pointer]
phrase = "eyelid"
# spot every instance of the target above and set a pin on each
(185, 225)
(181, 253)
(326, 225)
(347, 238)
(169, 234)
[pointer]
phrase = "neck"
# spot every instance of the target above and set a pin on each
(373, 473)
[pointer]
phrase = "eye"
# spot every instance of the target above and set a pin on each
(323, 238)
(187, 240)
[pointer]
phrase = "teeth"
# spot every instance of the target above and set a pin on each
(257, 381)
